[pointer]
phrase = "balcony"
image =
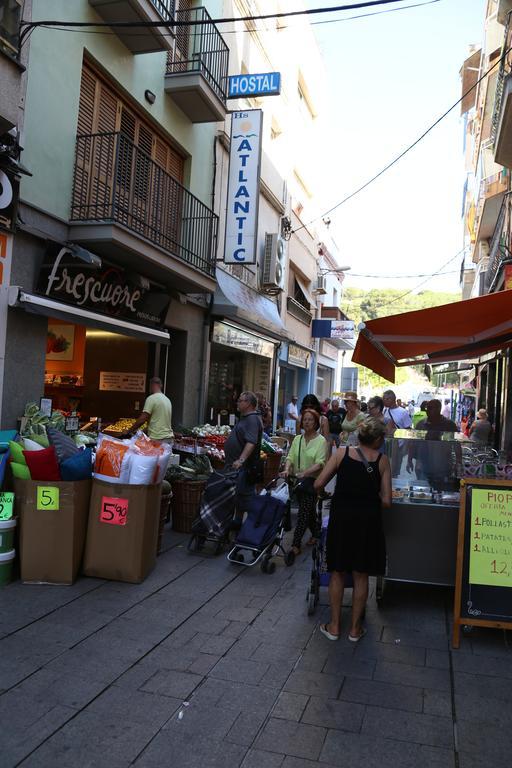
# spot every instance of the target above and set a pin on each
(197, 68)
(499, 247)
(139, 39)
(490, 197)
(298, 311)
(126, 206)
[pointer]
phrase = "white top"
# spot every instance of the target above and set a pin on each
(292, 411)
(447, 411)
(398, 415)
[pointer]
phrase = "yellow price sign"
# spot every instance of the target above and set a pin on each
(47, 497)
(490, 554)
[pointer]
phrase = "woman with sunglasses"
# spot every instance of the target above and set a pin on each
(353, 419)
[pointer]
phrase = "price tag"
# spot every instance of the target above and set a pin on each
(6, 505)
(114, 511)
(47, 497)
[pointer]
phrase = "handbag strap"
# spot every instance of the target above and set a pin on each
(367, 465)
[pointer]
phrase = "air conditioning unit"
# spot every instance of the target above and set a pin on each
(274, 263)
(320, 285)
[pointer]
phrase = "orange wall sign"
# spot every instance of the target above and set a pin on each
(3, 255)
(508, 277)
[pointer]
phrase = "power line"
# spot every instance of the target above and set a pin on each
(429, 278)
(248, 31)
(408, 149)
(397, 277)
(26, 26)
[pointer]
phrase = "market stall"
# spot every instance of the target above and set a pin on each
(421, 526)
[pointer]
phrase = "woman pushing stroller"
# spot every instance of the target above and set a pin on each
(355, 537)
(305, 460)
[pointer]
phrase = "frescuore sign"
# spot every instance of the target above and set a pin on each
(266, 84)
(243, 188)
(106, 289)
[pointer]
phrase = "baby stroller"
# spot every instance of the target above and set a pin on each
(319, 573)
(261, 536)
(216, 512)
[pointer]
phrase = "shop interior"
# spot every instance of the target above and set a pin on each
(232, 371)
(95, 373)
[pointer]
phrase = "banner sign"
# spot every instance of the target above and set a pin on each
(333, 329)
(243, 187)
(238, 339)
(298, 356)
(105, 289)
(247, 86)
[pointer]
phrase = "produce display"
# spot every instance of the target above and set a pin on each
(120, 426)
(36, 421)
(208, 430)
(196, 468)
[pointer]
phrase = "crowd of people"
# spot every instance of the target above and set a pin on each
(345, 441)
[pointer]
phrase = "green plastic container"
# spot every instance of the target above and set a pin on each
(6, 561)
(7, 534)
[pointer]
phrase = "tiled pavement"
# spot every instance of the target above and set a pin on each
(207, 664)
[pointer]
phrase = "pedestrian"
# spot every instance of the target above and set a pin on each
(305, 460)
(291, 415)
(470, 419)
(312, 402)
(265, 412)
(376, 408)
(355, 536)
(420, 415)
(434, 462)
(157, 412)
(480, 430)
(353, 418)
(435, 421)
(395, 417)
(242, 450)
(447, 409)
(335, 418)
(326, 405)
(411, 408)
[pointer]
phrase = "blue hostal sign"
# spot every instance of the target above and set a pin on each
(247, 86)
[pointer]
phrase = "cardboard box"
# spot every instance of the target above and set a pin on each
(53, 523)
(122, 532)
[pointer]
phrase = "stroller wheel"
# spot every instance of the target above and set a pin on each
(289, 558)
(312, 601)
(268, 565)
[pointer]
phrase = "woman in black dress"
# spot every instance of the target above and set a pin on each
(355, 538)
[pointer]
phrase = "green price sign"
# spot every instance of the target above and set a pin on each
(6, 505)
(491, 537)
(47, 497)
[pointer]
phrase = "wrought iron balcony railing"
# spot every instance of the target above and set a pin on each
(298, 311)
(499, 245)
(503, 74)
(165, 8)
(200, 47)
(116, 182)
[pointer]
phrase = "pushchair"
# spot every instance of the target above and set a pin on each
(261, 536)
(216, 512)
(319, 574)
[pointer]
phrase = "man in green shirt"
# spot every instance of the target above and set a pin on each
(421, 415)
(157, 412)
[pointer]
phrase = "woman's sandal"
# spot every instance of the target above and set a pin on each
(312, 542)
(358, 637)
(325, 632)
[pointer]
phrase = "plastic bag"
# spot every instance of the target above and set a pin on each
(142, 468)
(281, 492)
(112, 461)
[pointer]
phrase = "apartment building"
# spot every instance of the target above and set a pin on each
(487, 112)
(117, 262)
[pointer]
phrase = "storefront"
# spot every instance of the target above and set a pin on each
(294, 375)
(239, 360)
(104, 334)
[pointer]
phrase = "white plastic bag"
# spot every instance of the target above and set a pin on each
(281, 492)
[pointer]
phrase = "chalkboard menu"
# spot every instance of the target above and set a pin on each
(483, 587)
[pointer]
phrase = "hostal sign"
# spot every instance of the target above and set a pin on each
(243, 187)
(106, 290)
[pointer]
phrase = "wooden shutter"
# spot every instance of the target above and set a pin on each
(146, 200)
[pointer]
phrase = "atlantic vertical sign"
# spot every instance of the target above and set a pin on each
(243, 187)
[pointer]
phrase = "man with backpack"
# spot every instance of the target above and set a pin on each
(335, 418)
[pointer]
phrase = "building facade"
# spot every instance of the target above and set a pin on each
(117, 269)
(487, 198)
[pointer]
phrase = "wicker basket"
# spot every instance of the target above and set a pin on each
(186, 498)
(165, 504)
(271, 467)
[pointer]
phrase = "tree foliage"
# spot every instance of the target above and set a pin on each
(361, 305)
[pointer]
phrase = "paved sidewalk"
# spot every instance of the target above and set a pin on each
(210, 665)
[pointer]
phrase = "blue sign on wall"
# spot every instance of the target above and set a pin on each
(244, 86)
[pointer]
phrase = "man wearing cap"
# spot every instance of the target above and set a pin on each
(157, 412)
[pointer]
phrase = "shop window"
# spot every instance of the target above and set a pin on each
(10, 18)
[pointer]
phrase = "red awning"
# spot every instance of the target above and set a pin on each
(459, 331)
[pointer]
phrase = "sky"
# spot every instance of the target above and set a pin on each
(390, 76)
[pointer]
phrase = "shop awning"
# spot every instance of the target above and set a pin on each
(49, 308)
(461, 331)
(305, 290)
(236, 300)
